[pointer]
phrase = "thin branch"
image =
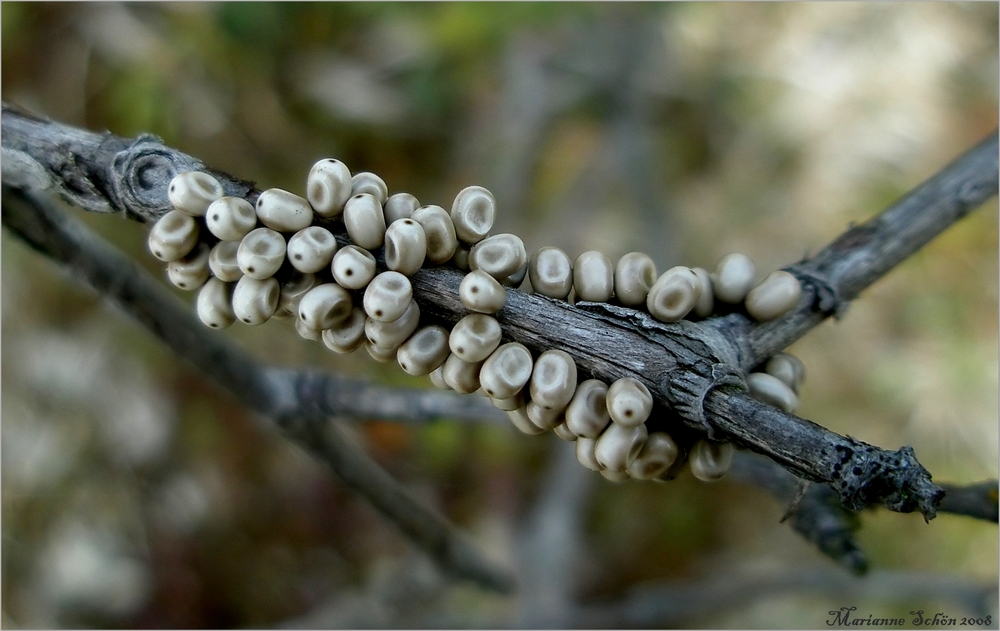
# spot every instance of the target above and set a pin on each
(975, 500)
(816, 514)
(865, 253)
(299, 402)
(695, 370)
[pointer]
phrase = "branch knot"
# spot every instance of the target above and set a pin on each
(866, 475)
(140, 173)
(689, 385)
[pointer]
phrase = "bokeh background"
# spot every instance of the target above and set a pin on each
(136, 495)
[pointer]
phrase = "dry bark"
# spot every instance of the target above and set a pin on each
(694, 369)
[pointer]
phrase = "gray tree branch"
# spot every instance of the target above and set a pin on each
(301, 403)
(695, 370)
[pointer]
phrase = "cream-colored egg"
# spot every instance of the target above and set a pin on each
(424, 351)
(615, 476)
(593, 277)
(222, 261)
(364, 221)
(292, 290)
(564, 432)
(305, 331)
(474, 337)
(619, 445)
(399, 206)
(173, 236)
(190, 272)
(440, 232)
(388, 296)
(481, 292)
(283, 211)
(775, 296)
(674, 294)
(230, 218)
(473, 213)
(710, 461)
(550, 272)
(553, 380)
(461, 376)
(392, 334)
(215, 304)
(460, 258)
(772, 391)
(519, 418)
(733, 278)
(405, 246)
(587, 413)
(500, 255)
(506, 371)
(254, 300)
(508, 404)
(635, 273)
(437, 378)
(353, 267)
(788, 368)
(311, 249)
(379, 354)
(585, 448)
(371, 184)
(193, 191)
(328, 187)
(348, 335)
(706, 298)
(656, 456)
(325, 306)
(629, 402)
(261, 253)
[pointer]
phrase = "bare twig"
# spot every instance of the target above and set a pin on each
(817, 515)
(693, 369)
(863, 254)
(975, 500)
(300, 402)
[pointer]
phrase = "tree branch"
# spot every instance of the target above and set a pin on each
(975, 500)
(299, 402)
(694, 370)
(863, 254)
(814, 509)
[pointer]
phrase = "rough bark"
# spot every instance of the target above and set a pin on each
(694, 369)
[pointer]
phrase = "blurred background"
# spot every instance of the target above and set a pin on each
(135, 494)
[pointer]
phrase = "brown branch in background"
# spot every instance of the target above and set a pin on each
(299, 402)
(694, 369)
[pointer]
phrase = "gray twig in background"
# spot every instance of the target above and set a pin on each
(299, 402)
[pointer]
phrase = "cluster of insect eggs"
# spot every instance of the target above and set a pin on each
(237, 266)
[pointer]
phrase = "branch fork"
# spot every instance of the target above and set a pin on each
(695, 370)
